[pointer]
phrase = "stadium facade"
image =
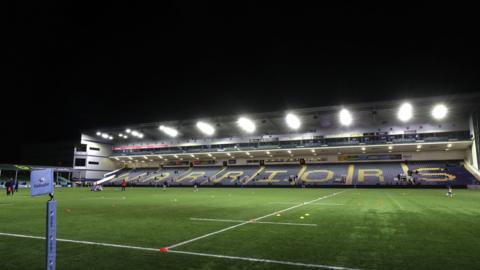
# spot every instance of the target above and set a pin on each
(435, 139)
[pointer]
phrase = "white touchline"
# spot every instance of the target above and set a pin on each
(264, 260)
(255, 219)
(253, 222)
(79, 242)
(184, 252)
(327, 204)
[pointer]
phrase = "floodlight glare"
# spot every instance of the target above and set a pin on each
(135, 133)
(99, 133)
(246, 124)
(345, 117)
(169, 131)
(293, 121)
(439, 111)
(105, 135)
(205, 128)
(128, 130)
(140, 135)
(405, 112)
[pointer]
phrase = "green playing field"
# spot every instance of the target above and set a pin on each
(249, 228)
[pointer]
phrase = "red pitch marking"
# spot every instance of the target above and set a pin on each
(164, 250)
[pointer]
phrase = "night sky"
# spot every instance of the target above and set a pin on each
(79, 66)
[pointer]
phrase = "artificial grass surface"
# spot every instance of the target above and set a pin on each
(359, 228)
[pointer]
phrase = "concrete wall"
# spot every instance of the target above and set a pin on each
(98, 151)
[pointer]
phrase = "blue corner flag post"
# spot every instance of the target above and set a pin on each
(41, 183)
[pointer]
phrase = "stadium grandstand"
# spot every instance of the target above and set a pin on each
(421, 142)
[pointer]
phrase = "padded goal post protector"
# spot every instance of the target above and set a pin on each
(41, 182)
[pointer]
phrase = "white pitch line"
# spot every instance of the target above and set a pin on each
(256, 219)
(263, 260)
(333, 204)
(184, 252)
(80, 242)
(253, 222)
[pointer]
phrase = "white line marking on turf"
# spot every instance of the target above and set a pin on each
(333, 204)
(395, 201)
(185, 252)
(253, 222)
(262, 260)
(256, 219)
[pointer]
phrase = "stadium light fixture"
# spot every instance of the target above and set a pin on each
(439, 111)
(128, 130)
(99, 133)
(140, 135)
(205, 128)
(405, 112)
(110, 138)
(169, 131)
(105, 135)
(135, 133)
(125, 137)
(246, 124)
(345, 117)
(293, 121)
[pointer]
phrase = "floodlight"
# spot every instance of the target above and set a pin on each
(110, 138)
(205, 128)
(293, 121)
(128, 130)
(405, 112)
(439, 111)
(105, 135)
(135, 133)
(140, 135)
(99, 133)
(169, 131)
(246, 124)
(345, 117)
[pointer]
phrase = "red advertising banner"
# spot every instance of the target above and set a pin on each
(137, 147)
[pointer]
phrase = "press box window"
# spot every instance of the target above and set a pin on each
(80, 162)
(81, 147)
(95, 148)
(93, 162)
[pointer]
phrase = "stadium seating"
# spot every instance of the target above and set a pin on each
(423, 173)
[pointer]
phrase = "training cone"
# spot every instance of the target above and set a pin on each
(164, 249)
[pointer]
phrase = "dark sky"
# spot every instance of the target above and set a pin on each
(78, 66)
